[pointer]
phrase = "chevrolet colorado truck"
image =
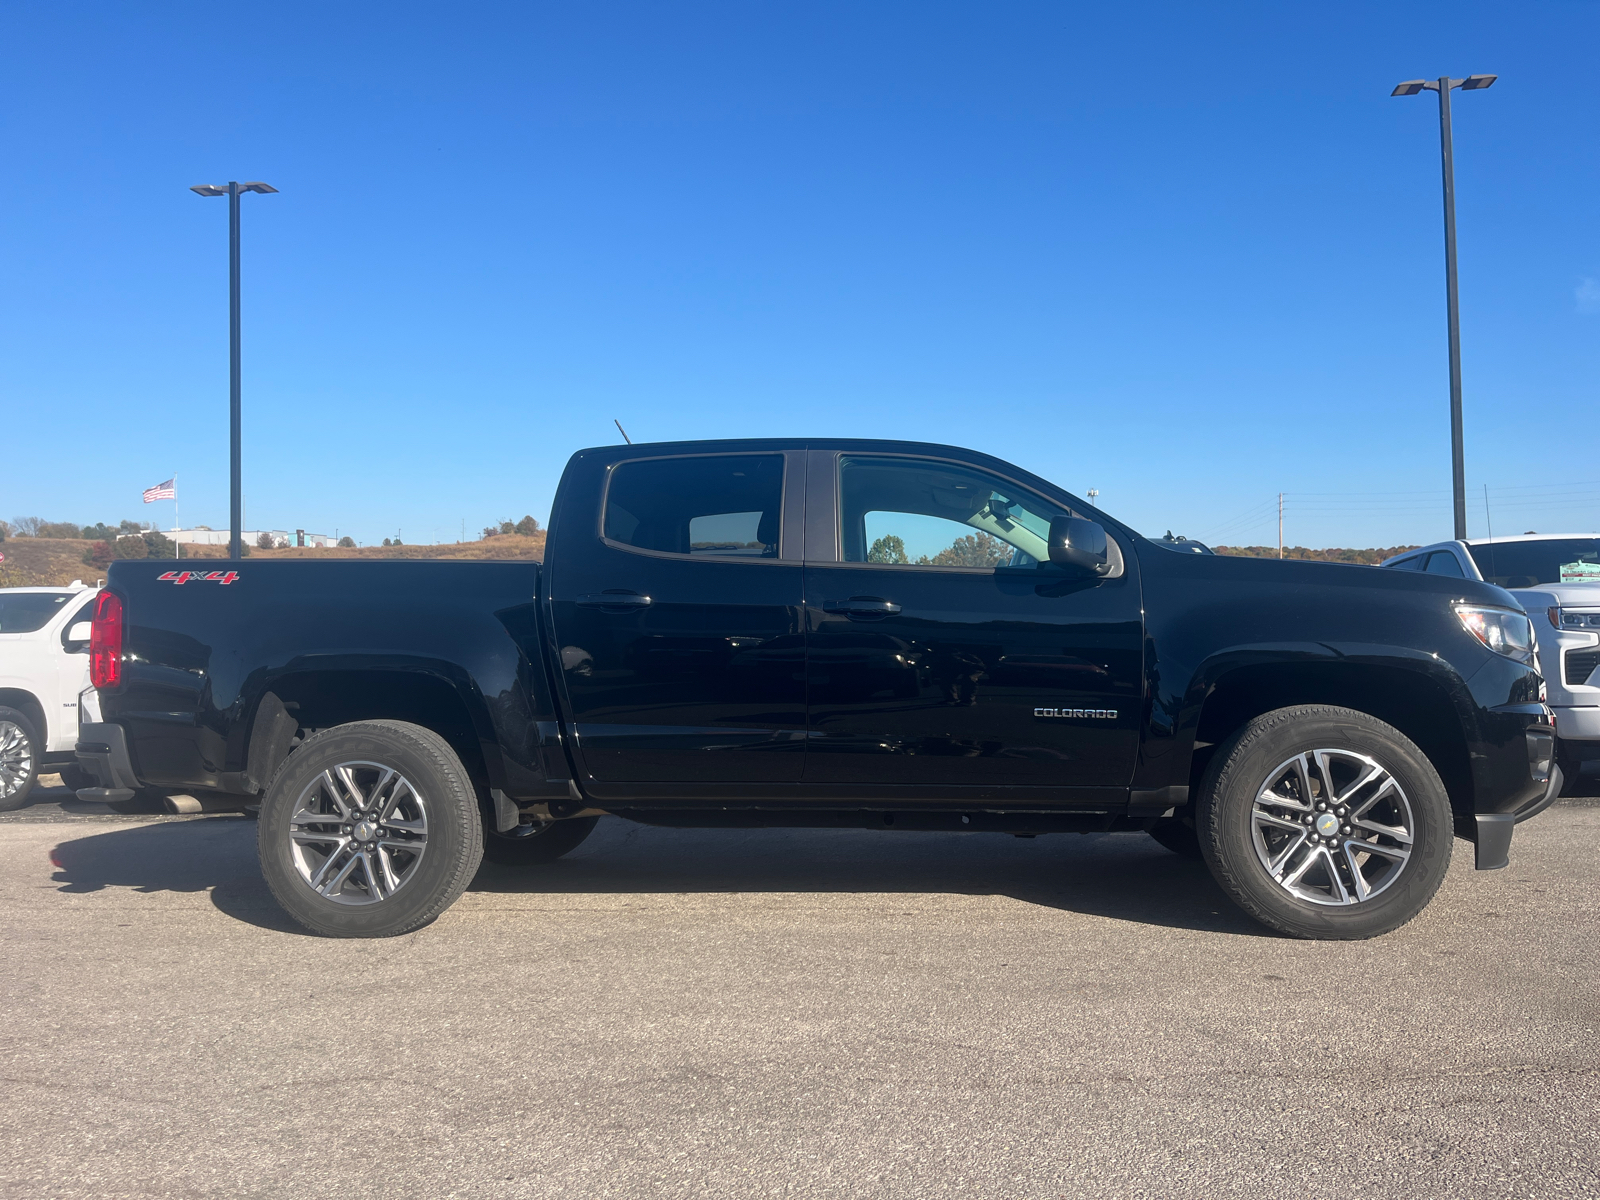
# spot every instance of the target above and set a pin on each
(831, 633)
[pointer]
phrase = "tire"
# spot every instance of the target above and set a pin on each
(1286, 863)
(1572, 783)
(142, 803)
(535, 844)
(74, 777)
(369, 829)
(19, 759)
(1178, 835)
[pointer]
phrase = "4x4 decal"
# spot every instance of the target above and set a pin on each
(182, 577)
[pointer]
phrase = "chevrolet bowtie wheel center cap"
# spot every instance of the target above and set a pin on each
(364, 830)
(1327, 824)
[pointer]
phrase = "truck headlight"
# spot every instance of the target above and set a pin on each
(1501, 630)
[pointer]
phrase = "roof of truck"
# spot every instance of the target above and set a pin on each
(1528, 537)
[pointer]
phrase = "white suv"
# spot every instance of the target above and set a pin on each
(1556, 578)
(44, 673)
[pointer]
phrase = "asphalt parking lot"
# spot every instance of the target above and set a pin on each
(788, 1014)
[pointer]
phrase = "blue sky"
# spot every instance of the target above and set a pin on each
(1187, 254)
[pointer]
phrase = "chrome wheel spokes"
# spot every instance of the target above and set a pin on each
(16, 759)
(358, 832)
(1332, 826)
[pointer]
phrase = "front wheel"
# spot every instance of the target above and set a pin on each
(19, 759)
(369, 830)
(1325, 823)
(74, 777)
(530, 845)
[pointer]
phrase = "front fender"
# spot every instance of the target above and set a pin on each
(1275, 674)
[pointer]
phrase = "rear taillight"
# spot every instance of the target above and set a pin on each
(105, 642)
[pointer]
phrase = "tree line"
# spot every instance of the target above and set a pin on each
(126, 539)
(1337, 554)
(526, 527)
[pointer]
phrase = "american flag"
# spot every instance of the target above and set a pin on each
(162, 491)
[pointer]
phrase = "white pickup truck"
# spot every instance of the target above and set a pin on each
(1556, 579)
(44, 675)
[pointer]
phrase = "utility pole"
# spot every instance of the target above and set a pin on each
(1280, 524)
(1443, 86)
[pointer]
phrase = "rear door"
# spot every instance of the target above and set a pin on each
(943, 652)
(675, 599)
(72, 677)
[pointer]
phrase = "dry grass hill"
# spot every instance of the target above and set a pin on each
(47, 562)
(1370, 557)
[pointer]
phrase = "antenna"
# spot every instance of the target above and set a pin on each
(1490, 523)
(622, 431)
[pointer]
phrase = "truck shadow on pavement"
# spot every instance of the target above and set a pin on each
(1124, 877)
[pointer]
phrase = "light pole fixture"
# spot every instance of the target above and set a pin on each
(235, 502)
(1444, 85)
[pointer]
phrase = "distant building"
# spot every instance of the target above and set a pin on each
(250, 537)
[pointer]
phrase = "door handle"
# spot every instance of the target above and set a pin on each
(861, 606)
(616, 601)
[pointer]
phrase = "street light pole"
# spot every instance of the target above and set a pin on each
(235, 408)
(1458, 462)
(1452, 303)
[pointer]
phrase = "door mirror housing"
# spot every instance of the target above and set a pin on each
(77, 636)
(1079, 546)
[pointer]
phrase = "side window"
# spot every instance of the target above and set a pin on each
(713, 506)
(1442, 562)
(1408, 564)
(918, 513)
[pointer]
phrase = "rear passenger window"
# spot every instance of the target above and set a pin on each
(1442, 562)
(712, 506)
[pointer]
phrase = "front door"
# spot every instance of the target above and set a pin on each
(944, 648)
(677, 624)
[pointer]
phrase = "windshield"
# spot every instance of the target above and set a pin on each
(1182, 545)
(24, 612)
(1528, 564)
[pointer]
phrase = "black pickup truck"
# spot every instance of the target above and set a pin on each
(828, 633)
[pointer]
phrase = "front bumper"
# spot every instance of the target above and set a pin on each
(1578, 723)
(102, 751)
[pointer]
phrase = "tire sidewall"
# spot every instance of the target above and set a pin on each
(1243, 765)
(454, 843)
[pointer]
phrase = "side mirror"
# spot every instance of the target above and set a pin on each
(1079, 546)
(77, 635)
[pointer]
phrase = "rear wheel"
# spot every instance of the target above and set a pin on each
(1178, 835)
(1325, 822)
(541, 842)
(369, 830)
(143, 801)
(19, 759)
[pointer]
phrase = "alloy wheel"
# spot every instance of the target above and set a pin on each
(16, 759)
(358, 833)
(1332, 827)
